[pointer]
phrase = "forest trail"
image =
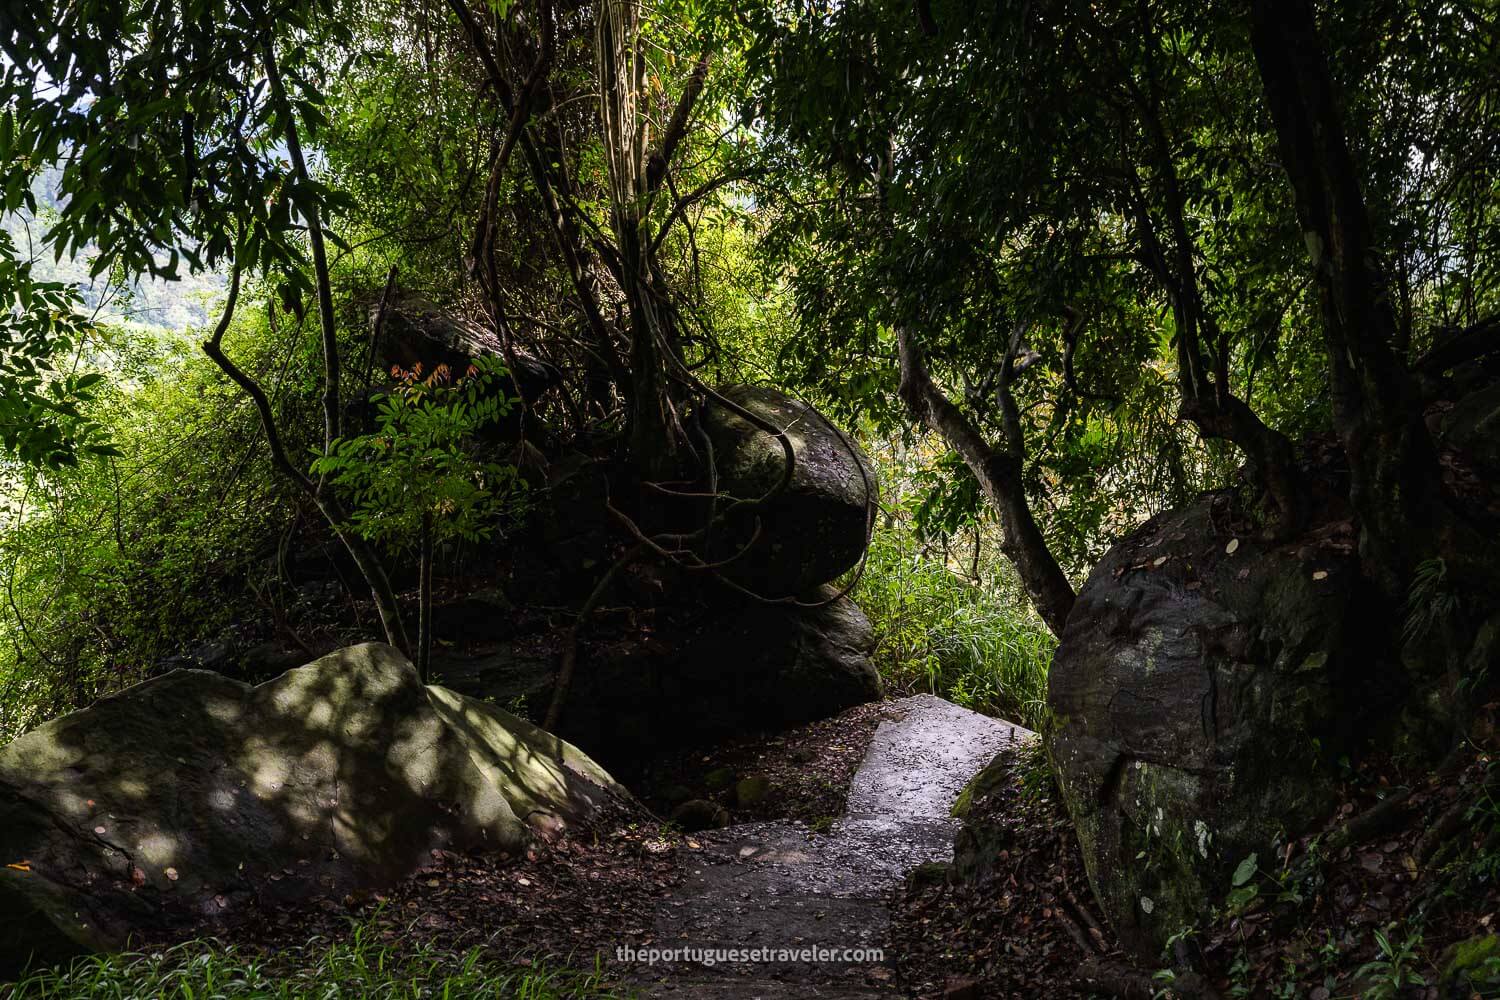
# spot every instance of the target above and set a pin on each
(782, 886)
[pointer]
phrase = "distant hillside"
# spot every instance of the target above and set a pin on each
(167, 305)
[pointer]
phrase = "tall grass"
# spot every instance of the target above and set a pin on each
(977, 644)
(360, 966)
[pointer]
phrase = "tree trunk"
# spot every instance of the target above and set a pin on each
(622, 103)
(1206, 397)
(364, 557)
(999, 474)
(424, 602)
(651, 440)
(1376, 406)
(1271, 460)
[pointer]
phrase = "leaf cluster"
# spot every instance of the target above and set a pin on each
(422, 465)
(42, 420)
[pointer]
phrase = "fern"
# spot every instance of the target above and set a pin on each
(1429, 601)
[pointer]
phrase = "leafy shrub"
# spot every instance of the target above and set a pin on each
(420, 468)
(978, 644)
(42, 421)
(109, 565)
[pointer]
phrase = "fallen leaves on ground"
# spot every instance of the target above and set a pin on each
(1006, 934)
(807, 770)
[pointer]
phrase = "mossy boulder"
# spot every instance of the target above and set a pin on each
(995, 773)
(191, 797)
(1202, 690)
(986, 823)
(416, 332)
(817, 527)
(1472, 427)
(928, 875)
(752, 791)
(1467, 967)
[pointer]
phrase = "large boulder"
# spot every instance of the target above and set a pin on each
(818, 526)
(1472, 427)
(1204, 687)
(188, 798)
(569, 541)
(683, 674)
(719, 672)
(416, 332)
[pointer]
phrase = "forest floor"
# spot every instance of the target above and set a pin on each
(1025, 927)
(1329, 917)
(1373, 906)
(785, 876)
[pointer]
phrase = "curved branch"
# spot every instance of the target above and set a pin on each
(369, 565)
(999, 475)
(1455, 347)
(656, 168)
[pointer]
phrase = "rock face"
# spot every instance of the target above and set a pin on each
(1201, 691)
(722, 673)
(568, 542)
(815, 529)
(187, 798)
(693, 660)
(417, 332)
(1473, 428)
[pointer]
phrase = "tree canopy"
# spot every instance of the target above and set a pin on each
(1107, 253)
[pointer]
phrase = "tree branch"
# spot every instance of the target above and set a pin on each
(999, 475)
(369, 565)
(656, 167)
(333, 416)
(1455, 347)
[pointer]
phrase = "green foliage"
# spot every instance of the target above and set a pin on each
(163, 126)
(109, 566)
(939, 183)
(1430, 600)
(973, 641)
(1393, 969)
(362, 966)
(964, 641)
(165, 129)
(1477, 867)
(42, 422)
(1242, 890)
(1090, 183)
(421, 465)
(1037, 780)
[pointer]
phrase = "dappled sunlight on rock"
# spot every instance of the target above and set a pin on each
(157, 849)
(224, 710)
(342, 774)
(132, 788)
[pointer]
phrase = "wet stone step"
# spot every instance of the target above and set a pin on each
(781, 886)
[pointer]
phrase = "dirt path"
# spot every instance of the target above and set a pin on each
(781, 887)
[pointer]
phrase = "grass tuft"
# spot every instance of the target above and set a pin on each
(981, 647)
(363, 965)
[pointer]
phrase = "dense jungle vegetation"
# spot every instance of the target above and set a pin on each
(1058, 267)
